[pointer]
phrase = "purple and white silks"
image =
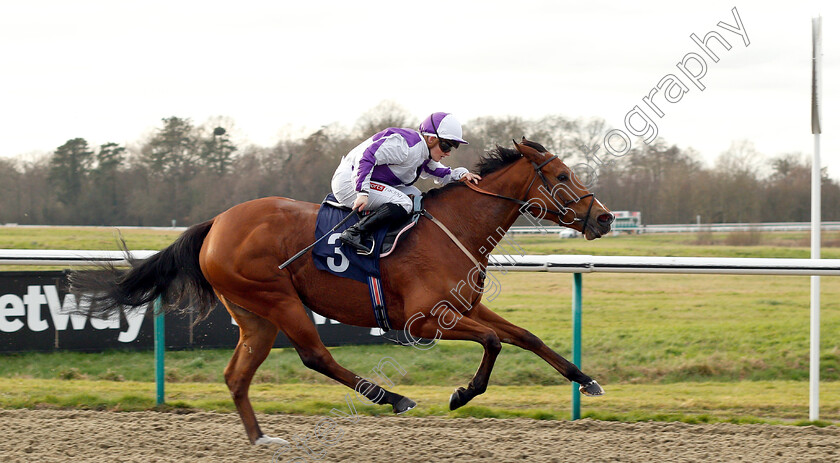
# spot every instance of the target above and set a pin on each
(394, 157)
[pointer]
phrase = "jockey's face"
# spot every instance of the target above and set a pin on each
(434, 149)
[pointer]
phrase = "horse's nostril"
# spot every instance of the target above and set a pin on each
(606, 219)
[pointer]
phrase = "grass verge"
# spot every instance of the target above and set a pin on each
(694, 348)
(656, 329)
(784, 402)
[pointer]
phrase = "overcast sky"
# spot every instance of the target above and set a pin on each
(110, 70)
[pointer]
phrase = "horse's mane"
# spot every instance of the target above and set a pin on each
(500, 157)
(492, 160)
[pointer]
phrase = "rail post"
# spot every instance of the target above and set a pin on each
(577, 296)
(160, 349)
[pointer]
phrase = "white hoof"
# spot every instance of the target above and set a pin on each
(266, 440)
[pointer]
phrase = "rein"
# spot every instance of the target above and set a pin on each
(547, 185)
(539, 173)
(452, 237)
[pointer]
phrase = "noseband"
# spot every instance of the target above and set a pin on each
(548, 187)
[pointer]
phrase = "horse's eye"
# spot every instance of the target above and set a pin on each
(562, 177)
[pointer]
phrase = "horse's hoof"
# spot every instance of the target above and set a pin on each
(457, 399)
(267, 440)
(591, 389)
(403, 405)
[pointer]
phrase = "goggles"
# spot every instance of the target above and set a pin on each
(445, 145)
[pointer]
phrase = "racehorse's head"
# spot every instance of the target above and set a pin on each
(558, 195)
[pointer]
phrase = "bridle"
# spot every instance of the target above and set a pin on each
(539, 173)
(549, 188)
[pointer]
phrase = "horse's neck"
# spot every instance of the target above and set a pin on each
(478, 220)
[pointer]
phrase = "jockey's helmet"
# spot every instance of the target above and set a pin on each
(443, 125)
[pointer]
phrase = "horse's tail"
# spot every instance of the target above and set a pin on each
(173, 274)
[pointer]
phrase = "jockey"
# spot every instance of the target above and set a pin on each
(378, 174)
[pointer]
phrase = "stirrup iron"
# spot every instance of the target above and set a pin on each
(372, 247)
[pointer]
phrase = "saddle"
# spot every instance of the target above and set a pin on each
(330, 256)
(395, 230)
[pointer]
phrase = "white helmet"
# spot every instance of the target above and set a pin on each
(443, 125)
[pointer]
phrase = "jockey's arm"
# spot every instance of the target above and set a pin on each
(392, 150)
(444, 175)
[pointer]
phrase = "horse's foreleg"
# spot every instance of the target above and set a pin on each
(463, 329)
(300, 330)
(256, 336)
(512, 334)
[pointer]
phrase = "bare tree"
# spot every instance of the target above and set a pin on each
(385, 114)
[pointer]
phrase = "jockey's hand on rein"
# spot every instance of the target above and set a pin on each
(469, 176)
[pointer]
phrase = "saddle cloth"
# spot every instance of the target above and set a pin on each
(339, 259)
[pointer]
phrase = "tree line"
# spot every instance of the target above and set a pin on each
(187, 173)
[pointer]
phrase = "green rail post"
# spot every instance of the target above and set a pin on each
(577, 297)
(160, 348)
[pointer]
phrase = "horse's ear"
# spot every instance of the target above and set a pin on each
(530, 153)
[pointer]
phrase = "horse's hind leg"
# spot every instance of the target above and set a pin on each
(467, 330)
(300, 330)
(512, 334)
(256, 336)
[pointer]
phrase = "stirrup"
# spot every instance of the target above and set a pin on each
(370, 251)
(359, 246)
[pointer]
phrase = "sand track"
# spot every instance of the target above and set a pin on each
(92, 436)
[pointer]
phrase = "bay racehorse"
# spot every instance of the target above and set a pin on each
(235, 258)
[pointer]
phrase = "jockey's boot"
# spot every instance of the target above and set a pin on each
(358, 235)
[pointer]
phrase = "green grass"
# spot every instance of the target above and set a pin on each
(776, 244)
(745, 402)
(87, 238)
(682, 347)
(657, 329)
(637, 329)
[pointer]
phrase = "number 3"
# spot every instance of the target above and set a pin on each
(344, 263)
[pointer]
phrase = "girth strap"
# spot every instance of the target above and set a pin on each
(377, 299)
